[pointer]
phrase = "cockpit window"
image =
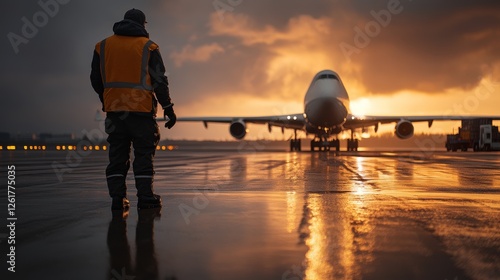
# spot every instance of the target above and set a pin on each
(327, 76)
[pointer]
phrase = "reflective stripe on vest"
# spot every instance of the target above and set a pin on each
(127, 88)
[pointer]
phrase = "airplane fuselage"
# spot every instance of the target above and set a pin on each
(326, 103)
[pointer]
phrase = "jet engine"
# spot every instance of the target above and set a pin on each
(404, 129)
(238, 129)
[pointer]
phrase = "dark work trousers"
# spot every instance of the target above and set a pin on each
(125, 129)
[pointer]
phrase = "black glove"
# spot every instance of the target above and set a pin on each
(168, 112)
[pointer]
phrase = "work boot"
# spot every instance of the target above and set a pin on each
(120, 203)
(147, 202)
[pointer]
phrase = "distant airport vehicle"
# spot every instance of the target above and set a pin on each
(455, 142)
(489, 139)
(478, 134)
(326, 114)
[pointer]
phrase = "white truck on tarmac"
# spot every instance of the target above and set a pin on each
(479, 134)
(489, 138)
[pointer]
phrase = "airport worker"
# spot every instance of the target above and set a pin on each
(128, 74)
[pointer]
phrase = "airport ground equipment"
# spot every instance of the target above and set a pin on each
(478, 134)
(489, 138)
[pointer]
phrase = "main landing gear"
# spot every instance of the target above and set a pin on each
(352, 144)
(324, 144)
(295, 144)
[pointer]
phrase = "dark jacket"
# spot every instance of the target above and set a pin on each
(156, 66)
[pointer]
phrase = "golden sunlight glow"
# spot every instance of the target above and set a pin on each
(359, 189)
(291, 211)
(340, 234)
(360, 106)
(360, 163)
(344, 135)
(360, 219)
(317, 265)
(478, 101)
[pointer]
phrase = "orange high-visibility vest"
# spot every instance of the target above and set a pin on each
(125, 73)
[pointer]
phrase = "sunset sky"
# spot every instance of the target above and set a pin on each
(244, 58)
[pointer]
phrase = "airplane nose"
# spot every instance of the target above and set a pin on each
(326, 112)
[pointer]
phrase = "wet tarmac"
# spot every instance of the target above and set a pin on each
(258, 215)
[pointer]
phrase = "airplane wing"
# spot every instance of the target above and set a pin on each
(297, 121)
(292, 121)
(404, 124)
(366, 121)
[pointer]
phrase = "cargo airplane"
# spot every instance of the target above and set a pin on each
(326, 114)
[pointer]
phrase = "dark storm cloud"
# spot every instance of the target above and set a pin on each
(278, 13)
(431, 46)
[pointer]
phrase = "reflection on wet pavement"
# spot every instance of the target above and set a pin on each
(120, 261)
(270, 215)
